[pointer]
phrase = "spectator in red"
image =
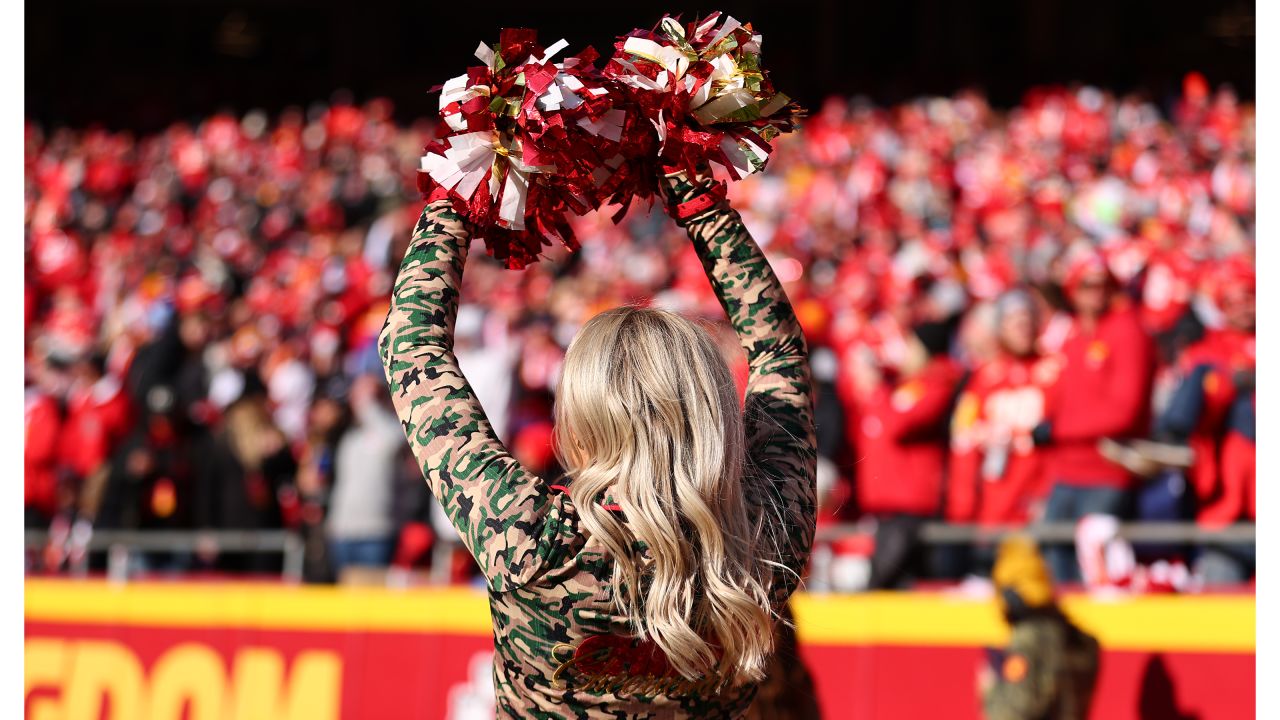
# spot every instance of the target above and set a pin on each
(1168, 284)
(901, 439)
(1103, 391)
(42, 422)
(1237, 502)
(99, 416)
(996, 474)
(1216, 371)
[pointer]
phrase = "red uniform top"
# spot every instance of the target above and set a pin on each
(98, 417)
(996, 472)
(1167, 288)
(900, 438)
(1103, 391)
(1227, 352)
(59, 260)
(1238, 499)
(42, 422)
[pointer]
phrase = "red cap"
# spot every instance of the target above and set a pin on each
(1083, 263)
(1235, 272)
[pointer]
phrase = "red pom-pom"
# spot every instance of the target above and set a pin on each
(705, 93)
(528, 141)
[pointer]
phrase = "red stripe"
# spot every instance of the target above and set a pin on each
(689, 208)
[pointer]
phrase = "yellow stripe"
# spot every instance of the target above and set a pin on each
(1158, 623)
(895, 619)
(456, 610)
(1223, 623)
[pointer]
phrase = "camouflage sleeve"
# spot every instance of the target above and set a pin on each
(781, 441)
(506, 515)
(1026, 683)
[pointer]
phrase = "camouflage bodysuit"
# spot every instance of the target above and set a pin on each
(560, 650)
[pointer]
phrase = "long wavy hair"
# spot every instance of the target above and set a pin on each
(647, 413)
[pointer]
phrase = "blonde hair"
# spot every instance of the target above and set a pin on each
(250, 431)
(647, 413)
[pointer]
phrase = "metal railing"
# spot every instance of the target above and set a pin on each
(940, 533)
(120, 545)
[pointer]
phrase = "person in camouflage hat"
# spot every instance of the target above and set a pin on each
(648, 584)
(1050, 667)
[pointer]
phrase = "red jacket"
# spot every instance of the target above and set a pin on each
(1239, 497)
(1103, 391)
(901, 442)
(1002, 403)
(42, 421)
(98, 417)
(1167, 288)
(1226, 351)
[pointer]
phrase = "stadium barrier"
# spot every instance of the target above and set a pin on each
(121, 544)
(96, 650)
(942, 533)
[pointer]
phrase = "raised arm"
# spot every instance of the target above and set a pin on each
(781, 441)
(505, 514)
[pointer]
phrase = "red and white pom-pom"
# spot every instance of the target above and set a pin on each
(705, 93)
(526, 140)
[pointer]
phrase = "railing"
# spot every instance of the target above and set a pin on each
(940, 533)
(121, 544)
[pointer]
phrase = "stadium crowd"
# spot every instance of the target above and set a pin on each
(1044, 313)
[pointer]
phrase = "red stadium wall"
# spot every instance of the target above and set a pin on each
(265, 652)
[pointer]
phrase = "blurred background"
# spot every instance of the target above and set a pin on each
(217, 196)
(141, 64)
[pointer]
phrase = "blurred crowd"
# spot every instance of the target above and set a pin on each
(1038, 314)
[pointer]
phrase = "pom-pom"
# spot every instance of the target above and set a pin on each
(705, 93)
(527, 141)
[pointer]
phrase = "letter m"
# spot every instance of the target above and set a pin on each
(261, 691)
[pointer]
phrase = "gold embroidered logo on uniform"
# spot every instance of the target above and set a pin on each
(1098, 352)
(1211, 383)
(617, 665)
